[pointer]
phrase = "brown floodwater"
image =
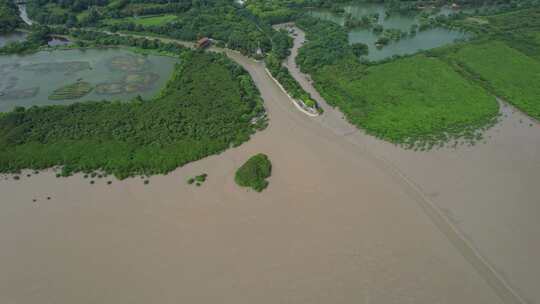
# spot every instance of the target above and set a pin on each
(488, 192)
(334, 226)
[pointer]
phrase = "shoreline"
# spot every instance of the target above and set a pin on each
(457, 236)
(301, 240)
(380, 245)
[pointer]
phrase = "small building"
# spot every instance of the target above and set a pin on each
(203, 43)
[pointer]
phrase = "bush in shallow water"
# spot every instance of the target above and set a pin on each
(254, 173)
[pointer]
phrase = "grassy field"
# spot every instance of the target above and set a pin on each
(417, 101)
(145, 20)
(72, 91)
(507, 72)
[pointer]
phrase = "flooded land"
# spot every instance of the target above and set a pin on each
(111, 74)
(332, 227)
(422, 40)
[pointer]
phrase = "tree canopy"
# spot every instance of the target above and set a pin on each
(208, 105)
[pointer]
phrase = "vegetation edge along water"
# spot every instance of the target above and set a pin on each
(209, 104)
(333, 55)
(254, 172)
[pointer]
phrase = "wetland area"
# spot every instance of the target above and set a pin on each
(112, 74)
(347, 216)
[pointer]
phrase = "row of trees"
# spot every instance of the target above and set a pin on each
(222, 21)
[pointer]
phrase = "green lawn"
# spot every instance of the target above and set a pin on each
(416, 100)
(508, 72)
(145, 20)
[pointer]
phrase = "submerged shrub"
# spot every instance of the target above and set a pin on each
(254, 173)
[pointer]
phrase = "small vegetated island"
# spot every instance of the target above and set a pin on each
(417, 101)
(254, 172)
(197, 180)
(9, 16)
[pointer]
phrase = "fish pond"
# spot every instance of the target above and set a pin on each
(67, 76)
(393, 23)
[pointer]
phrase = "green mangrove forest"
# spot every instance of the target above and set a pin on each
(254, 172)
(208, 105)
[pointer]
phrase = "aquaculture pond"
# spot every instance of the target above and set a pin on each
(422, 40)
(67, 76)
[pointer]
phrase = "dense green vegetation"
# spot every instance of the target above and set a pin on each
(276, 11)
(421, 99)
(416, 101)
(188, 20)
(9, 16)
(197, 180)
(254, 172)
(519, 29)
(208, 105)
(72, 91)
(404, 103)
(91, 38)
(505, 71)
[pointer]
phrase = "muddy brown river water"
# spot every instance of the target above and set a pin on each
(114, 74)
(488, 192)
(336, 225)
